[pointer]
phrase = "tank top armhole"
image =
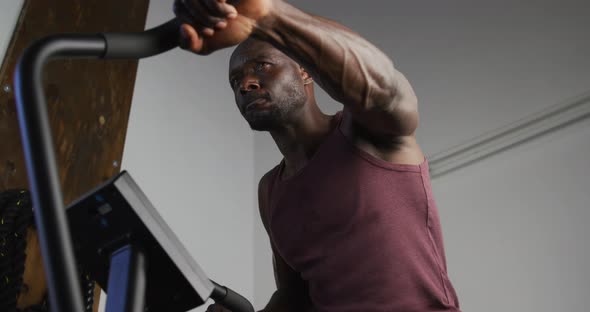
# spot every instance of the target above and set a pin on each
(372, 159)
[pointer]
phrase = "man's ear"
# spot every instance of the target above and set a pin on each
(305, 76)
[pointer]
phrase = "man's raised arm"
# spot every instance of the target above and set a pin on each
(348, 67)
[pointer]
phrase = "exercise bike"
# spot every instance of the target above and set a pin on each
(118, 235)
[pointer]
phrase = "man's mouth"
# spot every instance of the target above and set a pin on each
(255, 104)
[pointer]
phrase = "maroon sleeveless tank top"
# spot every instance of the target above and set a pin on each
(364, 233)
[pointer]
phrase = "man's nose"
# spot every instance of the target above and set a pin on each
(248, 85)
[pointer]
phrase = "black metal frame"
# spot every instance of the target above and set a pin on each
(54, 234)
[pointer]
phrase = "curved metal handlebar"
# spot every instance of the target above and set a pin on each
(144, 44)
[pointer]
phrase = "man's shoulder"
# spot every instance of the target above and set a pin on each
(265, 184)
(266, 179)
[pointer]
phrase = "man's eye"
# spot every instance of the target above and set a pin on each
(262, 65)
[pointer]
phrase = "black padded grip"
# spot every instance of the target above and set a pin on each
(230, 299)
(142, 44)
(151, 42)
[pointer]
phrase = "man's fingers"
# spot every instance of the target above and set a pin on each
(221, 8)
(190, 39)
(202, 15)
(186, 18)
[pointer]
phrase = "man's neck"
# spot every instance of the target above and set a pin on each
(299, 141)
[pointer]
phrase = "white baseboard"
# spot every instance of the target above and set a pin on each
(510, 136)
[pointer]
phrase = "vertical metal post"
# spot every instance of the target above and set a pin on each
(127, 280)
(54, 235)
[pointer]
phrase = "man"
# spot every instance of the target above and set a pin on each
(349, 210)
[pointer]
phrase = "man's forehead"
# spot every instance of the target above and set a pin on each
(258, 55)
(252, 51)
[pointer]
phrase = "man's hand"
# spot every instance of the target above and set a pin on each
(210, 25)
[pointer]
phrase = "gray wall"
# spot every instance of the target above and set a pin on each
(516, 226)
(477, 66)
(191, 152)
(9, 12)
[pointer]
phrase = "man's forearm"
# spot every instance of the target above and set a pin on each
(345, 65)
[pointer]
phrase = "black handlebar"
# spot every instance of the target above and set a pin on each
(230, 299)
(144, 44)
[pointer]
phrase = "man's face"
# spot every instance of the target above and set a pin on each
(267, 84)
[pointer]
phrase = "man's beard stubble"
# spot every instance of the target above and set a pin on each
(282, 111)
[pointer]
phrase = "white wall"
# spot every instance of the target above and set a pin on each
(477, 66)
(516, 225)
(9, 13)
(191, 152)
